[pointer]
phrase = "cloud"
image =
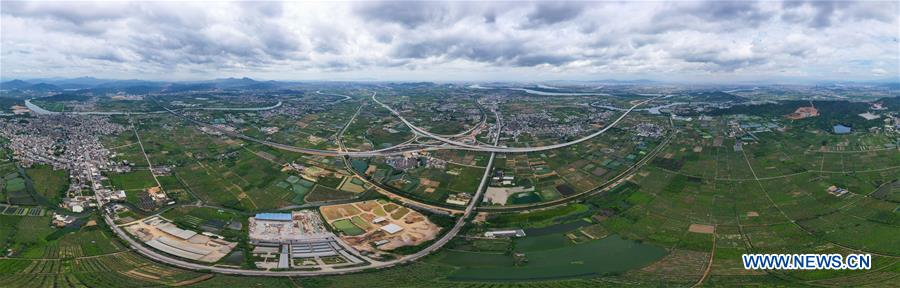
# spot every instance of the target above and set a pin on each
(549, 13)
(431, 40)
(406, 13)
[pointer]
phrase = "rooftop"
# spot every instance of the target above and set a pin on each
(841, 129)
(274, 216)
(392, 228)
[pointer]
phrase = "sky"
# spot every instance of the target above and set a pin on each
(687, 41)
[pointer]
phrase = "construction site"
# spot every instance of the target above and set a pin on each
(379, 225)
(162, 235)
(297, 240)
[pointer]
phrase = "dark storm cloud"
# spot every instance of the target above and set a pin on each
(720, 15)
(716, 62)
(490, 17)
(473, 49)
(542, 59)
(499, 53)
(408, 14)
(83, 13)
(824, 12)
(549, 13)
(743, 11)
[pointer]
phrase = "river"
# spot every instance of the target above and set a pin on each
(41, 111)
(651, 110)
(543, 93)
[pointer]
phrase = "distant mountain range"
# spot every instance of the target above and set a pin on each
(140, 86)
(134, 86)
(22, 85)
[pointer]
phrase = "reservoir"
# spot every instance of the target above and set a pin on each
(555, 259)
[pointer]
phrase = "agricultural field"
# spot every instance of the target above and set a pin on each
(362, 224)
(226, 223)
(375, 128)
(109, 270)
(552, 260)
(245, 181)
(48, 183)
(522, 179)
(432, 184)
(132, 181)
(666, 198)
(14, 186)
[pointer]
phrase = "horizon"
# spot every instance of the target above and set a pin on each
(643, 81)
(692, 42)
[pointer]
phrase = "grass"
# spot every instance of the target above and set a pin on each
(15, 184)
(399, 213)
(107, 270)
(594, 258)
(330, 182)
(134, 180)
(537, 218)
(359, 222)
(347, 227)
(48, 183)
(33, 229)
(322, 193)
(792, 213)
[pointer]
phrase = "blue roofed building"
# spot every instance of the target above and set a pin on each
(841, 129)
(274, 216)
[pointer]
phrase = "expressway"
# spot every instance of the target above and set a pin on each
(401, 149)
(41, 111)
(381, 188)
(499, 149)
(460, 222)
(276, 105)
(602, 188)
(395, 150)
(450, 144)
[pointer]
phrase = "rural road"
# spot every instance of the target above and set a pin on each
(152, 254)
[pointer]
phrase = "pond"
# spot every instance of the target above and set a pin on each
(557, 229)
(609, 255)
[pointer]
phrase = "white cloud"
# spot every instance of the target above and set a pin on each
(450, 41)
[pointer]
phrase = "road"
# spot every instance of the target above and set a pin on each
(401, 149)
(395, 150)
(381, 152)
(460, 222)
(235, 108)
(497, 149)
(611, 183)
(378, 187)
(141, 144)
(41, 111)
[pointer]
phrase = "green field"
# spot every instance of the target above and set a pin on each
(132, 181)
(347, 227)
(15, 184)
(322, 193)
(693, 203)
(48, 183)
(595, 258)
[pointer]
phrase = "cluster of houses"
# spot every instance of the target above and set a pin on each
(837, 191)
(69, 142)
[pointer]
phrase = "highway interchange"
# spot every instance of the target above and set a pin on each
(399, 149)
